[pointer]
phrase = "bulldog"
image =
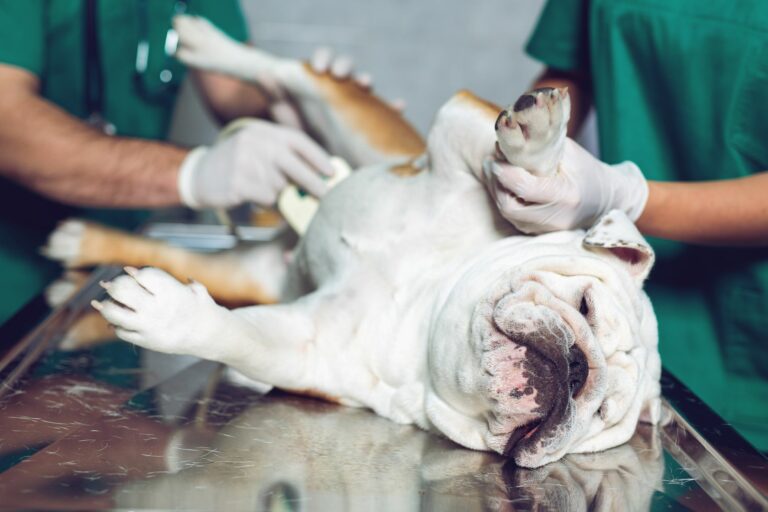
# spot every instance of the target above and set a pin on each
(409, 294)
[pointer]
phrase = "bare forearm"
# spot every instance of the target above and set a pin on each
(727, 212)
(578, 89)
(228, 98)
(58, 156)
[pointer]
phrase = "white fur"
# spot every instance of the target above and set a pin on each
(64, 243)
(408, 295)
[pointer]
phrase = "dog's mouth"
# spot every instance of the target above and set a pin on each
(557, 402)
(521, 434)
(558, 379)
(539, 370)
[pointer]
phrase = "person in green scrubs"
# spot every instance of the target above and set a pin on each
(681, 92)
(65, 61)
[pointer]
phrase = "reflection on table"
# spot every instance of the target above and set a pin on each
(223, 447)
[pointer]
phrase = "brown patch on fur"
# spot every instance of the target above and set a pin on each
(382, 125)
(406, 169)
(486, 106)
(313, 393)
(226, 282)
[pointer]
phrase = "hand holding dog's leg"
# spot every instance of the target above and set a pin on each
(553, 183)
(576, 196)
(338, 108)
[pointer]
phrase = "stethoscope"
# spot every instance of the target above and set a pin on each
(94, 75)
(166, 88)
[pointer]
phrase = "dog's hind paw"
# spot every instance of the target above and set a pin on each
(65, 243)
(203, 46)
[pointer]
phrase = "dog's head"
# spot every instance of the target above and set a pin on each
(548, 345)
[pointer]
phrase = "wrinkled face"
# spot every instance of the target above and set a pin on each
(556, 352)
(561, 358)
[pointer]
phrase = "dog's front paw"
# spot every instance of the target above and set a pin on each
(531, 133)
(152, 309)
(203, 46)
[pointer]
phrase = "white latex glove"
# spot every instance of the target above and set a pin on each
(582, 190)
(323, 60)
(253, 165)
(341, 66)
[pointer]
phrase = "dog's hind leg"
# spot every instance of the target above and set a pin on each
(235, 278)
(462, 135)
(346, 117)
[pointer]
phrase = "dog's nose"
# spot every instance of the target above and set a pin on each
(524, 102)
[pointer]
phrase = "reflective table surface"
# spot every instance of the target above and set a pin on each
(105, 425)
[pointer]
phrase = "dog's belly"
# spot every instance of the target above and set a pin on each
(379, 250)
(400, 226)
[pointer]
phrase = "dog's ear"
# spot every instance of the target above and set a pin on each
(617, 237)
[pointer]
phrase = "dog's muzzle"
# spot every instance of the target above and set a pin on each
(554, 368)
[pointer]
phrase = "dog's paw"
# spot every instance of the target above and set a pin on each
(65, 243)
(152, 309)
(531, 133)
(203, 46)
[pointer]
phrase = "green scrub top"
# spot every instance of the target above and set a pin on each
(46, 37)
(681, 88)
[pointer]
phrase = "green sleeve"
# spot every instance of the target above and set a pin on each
(225, 14)
(21, 34)
(560, 39)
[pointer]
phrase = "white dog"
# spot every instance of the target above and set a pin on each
(409, 294)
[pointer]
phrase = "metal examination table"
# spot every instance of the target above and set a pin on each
(116, 427)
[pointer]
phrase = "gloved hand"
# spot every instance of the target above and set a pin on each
(282, 110)
(324, 60)
(254, 164)
(575, 196)
(341, 66)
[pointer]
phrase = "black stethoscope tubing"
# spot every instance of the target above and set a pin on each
(94, 73)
